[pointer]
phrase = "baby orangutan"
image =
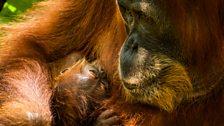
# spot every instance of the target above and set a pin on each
(78, 95)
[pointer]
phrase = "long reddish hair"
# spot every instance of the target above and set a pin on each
(200, 24)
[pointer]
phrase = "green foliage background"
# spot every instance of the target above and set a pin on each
(14, 7)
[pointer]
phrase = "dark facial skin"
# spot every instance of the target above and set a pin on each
(79, 93)
(150, 59)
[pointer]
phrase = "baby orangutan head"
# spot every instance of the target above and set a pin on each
(79, 91)
(88, 78)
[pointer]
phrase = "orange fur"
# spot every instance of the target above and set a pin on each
(32, 48)
(94, 28)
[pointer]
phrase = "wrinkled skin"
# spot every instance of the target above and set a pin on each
(150, 57)
(154, 68)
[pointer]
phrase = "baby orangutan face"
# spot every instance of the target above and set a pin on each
(90, 79)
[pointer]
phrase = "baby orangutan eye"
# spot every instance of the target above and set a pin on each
(93, 73)
(63, 71)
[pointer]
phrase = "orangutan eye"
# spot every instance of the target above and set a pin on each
(129, 18)
(127, 15)
(63, 71)
(93, 73)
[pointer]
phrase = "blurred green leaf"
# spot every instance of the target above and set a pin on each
(14, 7)
(10, 7)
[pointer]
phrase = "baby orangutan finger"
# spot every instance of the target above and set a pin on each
(108, 118)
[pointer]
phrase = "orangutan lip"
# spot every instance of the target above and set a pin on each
(130, 86)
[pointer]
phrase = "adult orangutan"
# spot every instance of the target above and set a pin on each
(171, 64)
(172, 60)
(33, 50)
